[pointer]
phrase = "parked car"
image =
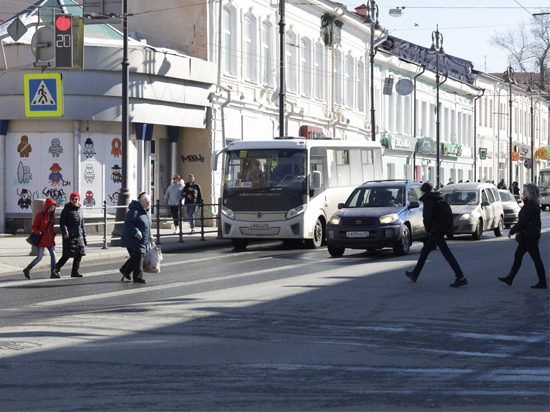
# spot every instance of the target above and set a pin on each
(378, 214)
(510, 206)
(476, 208)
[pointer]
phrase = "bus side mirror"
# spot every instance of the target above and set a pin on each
(316, 184)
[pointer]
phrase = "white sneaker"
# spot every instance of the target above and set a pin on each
(176, 232)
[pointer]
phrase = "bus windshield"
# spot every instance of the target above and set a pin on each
(544, 179)
(274, 178)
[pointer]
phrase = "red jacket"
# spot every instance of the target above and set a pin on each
(43, 222)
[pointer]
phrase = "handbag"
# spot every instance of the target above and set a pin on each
(34, 239)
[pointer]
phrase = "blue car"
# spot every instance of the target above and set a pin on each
(378, 214)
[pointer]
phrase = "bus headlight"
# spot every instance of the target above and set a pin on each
(295, 212)
(228, 212)
(388, 218)
(335, 220)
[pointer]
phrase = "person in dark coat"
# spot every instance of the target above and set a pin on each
(193, 196)
(436, 237)
(71, 223)
(529, 226)
(43, 224)
(136, 237)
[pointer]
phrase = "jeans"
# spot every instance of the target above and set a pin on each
(40, 254)
(134, 264)
(190, 212)
(439, 240)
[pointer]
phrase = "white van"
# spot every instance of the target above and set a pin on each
(476, 207)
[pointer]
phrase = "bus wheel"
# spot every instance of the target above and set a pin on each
(335, 251)
(318, 236)
(239, 244)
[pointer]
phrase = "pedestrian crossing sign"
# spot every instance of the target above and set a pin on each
(43, 95)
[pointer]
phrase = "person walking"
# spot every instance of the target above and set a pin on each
(173, 198)
(71, 223)
(515, 188)
(501, 185)
(193, 196)
(136, 237)
(437, 228)
(43, 224)
(528, 227)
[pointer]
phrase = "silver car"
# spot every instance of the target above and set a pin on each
(476, 208)
(511, 207)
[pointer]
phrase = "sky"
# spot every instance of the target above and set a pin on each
(466, 25)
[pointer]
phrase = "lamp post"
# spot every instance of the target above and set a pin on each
(372, 21)
(437, 49)
(533, 93)
(509, 79)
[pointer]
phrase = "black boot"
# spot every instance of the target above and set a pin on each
(76, 266)
(508, 279)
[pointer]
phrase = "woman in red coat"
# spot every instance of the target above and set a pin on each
(43, 223)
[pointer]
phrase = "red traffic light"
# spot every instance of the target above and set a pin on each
(62, 23)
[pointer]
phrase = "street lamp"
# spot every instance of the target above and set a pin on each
(372, 21)
(533, 93)
(437, 49)
(509, 79)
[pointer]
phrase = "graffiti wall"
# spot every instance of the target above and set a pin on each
(40, 165)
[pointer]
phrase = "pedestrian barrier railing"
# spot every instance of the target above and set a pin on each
(202, 216)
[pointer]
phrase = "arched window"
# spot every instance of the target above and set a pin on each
(250, 54)
(361, 86)
(349, 76)
(229, 52)
(305, 66)
(268, 62)
(291, 66)
(319, 72)
(338, 77)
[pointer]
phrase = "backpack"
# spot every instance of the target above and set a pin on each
(443, 215)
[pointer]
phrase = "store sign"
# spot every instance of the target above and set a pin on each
(406, 143)
(425, 145)
(542, 153)
(450, 149)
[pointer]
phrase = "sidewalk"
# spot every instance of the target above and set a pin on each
(15, 252)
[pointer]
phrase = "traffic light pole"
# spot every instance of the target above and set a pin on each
(124, 194)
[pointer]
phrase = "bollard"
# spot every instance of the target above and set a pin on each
(104, 224)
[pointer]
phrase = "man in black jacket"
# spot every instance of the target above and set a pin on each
(436, 237)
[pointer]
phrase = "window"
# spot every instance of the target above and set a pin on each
(291, 63)
(305, 66)
(268, 67)
(229, 65)
(338, 77)
(349, 75)
(361, 86)
(250, 57)
(319, 75)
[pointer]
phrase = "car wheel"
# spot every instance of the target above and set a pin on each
(318, 236)
(239, 244)
(403, 246)
(479, 230)
(500, 228)
(335, 251)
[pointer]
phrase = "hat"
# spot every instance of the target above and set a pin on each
(426, 187)
(74, 194)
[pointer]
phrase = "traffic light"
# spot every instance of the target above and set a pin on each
(63, 41)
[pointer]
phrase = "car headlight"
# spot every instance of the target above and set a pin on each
(295, 212)
(465, 216)
(335, 220)
(228, 212)
(388, 218)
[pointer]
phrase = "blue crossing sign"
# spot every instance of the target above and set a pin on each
(43, 95)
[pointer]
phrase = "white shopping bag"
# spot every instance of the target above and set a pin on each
(151, 261)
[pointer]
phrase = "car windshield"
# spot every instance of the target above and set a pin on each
(506, 197)
(377, 197)
(461, 197)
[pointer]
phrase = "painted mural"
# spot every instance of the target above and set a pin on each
(40, 165)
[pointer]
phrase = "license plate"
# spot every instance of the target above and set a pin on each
(357, 234)
(259, 226)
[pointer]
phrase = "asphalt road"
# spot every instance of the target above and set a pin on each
(275, 329)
